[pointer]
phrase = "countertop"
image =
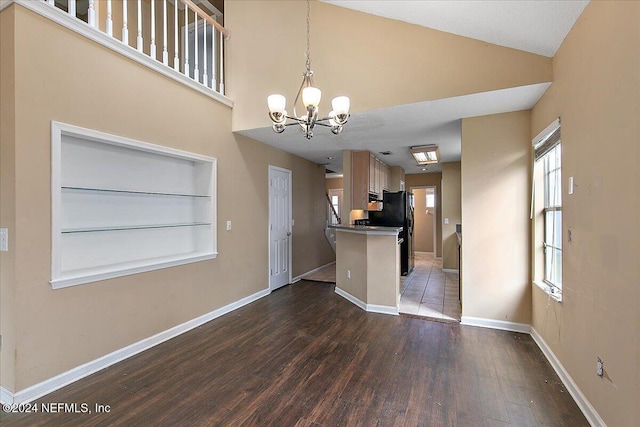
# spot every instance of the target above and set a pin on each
(368, 229)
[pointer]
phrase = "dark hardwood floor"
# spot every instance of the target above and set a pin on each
(304, 356)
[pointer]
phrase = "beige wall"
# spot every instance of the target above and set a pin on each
(437, 64)
(7, 198)
(495, 216)
(596, 93)
(423, 222)
(374, 265)
(452, 209)
(351, 255)
(430, 180)
(57, 330)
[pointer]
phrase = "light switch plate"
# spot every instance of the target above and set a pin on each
(570, 185)
(4, 239)
(446, 221)
(228, 225)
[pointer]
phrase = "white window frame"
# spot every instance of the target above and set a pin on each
(553, 289)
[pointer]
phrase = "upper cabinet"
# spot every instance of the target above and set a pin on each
(370, 176)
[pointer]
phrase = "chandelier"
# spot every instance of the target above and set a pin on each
(310, 96)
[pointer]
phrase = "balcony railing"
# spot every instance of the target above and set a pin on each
(172, 36)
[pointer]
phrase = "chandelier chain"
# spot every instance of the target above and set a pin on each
(308, 37)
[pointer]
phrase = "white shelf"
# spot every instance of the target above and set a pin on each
(122, 207)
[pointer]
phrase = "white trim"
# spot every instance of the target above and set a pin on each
(60, 279)
(439, 258)
(119, 271)
(583, 403)
(495, 324)
(450, 270)
(5, 395)
(290, 220)
(383, 309)
(81, 27)
(300, 277)
(45, 387)
(371, 308)
(553, 292)
(346, 295)
(547, 131)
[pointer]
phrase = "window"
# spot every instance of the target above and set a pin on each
(553, 218)
(547, 205)
(431, 200)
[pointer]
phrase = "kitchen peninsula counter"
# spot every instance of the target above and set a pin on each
(368, 266)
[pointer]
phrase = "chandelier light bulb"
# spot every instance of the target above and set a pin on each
(311, 96)
(276, 103)
(341, 104)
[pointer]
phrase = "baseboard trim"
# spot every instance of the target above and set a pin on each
(496, 324)
(371, 308)
(383, 309)
(450, 270)
(300, 277)
(5, 396)
(583, 403)
(346, 295)
(45, 387)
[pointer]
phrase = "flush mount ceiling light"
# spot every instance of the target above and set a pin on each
(310, 97)
(426, 155)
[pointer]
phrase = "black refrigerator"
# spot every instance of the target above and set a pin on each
(397, 211)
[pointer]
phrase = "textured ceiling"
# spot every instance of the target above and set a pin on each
(396, 129)
(536, 26)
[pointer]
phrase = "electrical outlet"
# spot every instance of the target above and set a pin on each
(600, 368)
(348, 274)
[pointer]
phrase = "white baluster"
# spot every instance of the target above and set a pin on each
(109, 19)
(221, 51)
(72, 7)
(125, 30)
(152, 47)
(165, 52)
(176, 58)
(139, 39)
(205, 77)
(196, 71)
(214, 49)
(91, 14)
(186, 41)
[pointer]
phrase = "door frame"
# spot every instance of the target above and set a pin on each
(435, 214)
(290, 221)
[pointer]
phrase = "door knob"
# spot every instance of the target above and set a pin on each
(288, 233)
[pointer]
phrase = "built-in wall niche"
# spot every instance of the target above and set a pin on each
(121, 206)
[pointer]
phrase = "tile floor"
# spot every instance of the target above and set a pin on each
(426, 292)
(430, 292)
(325, 274)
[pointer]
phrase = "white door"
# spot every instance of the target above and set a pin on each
(279, 227)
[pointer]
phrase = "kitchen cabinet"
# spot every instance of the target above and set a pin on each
(370, 175)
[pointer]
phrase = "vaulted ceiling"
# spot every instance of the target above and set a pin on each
(537, 27)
